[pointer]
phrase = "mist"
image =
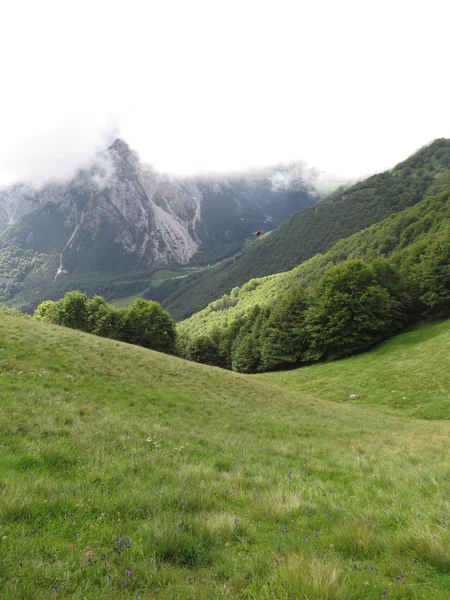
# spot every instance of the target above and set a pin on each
(199, 87)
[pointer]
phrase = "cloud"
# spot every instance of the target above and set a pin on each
(205, 86)
(58, 154)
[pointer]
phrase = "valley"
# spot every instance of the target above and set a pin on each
(125, 471)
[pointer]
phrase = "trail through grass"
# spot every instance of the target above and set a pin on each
(128, 473)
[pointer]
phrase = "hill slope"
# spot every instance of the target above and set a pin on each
(404, 238)
(316, 229)
(127, 471)
(404, 375)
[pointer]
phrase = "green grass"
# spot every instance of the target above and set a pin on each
(126, 300)
(408, 375)
(201, 483)
(156, 279)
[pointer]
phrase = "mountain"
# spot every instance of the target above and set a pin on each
(119, 216)
(315, 230)
(404, 239)
(130, 473)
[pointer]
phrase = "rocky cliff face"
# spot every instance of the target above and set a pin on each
(121, 215)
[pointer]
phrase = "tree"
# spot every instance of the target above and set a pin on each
(46, 311)
(103, 319)
(353, 311)
(432, 276)
(70, 311)
(146, 324)
(202, 349)
(284, 338)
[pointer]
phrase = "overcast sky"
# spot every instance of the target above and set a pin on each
(352, 87)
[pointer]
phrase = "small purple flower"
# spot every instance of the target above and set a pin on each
(306, 538)
(128, 543)
(398, 579)
(237, 521)
(122, 585)
(371, 570)
(385, 594)
(129, 573)
(56, 589)
(75, 536)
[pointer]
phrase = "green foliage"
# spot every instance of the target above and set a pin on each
(146, 324)
(143, 323)
(202, 349)
(432, 275)
(353, 312)
(316, 229)
(284, 338)
(406, 278)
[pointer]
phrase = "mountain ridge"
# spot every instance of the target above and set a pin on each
(120, 215)
(316, 229)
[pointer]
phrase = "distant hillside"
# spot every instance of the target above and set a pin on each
(315, 230)
(403, 238)
(363, 290)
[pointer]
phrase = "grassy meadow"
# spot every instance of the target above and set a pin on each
(131, 474)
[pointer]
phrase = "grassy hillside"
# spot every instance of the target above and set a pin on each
(314, 230)
(406, 375)
(128, 473)
(404, 238)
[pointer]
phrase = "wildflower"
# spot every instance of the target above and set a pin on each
(398, 579)
(237, 521)
(129, 573)
(371, 570)
(306, 538)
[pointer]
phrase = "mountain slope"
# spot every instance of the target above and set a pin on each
(119, 216)
(316, 229)
(127, 471)
(403, 238)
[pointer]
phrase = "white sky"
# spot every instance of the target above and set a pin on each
(195, 85)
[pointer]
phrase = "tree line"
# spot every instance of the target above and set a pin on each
(355, 305)
(143, 323)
